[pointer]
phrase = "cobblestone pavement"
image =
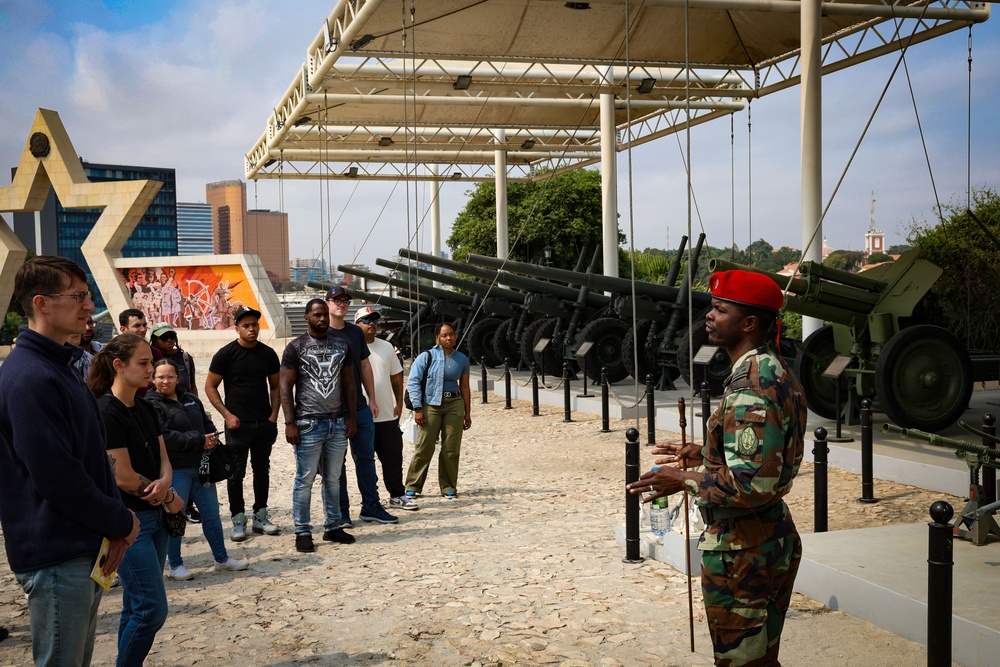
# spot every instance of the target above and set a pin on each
(522, 569)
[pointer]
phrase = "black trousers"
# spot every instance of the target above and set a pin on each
(253, 440)
(389, 450)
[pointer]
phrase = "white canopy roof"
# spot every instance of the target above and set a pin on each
(380, 100)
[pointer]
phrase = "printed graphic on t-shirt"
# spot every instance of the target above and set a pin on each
(318, 363)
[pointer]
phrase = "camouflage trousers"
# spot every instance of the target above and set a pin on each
(747, 593)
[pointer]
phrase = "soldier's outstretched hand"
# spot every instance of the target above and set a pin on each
(686, 456)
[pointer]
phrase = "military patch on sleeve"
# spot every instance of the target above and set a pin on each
(747, 442)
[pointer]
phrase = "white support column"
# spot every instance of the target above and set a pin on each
(500, 167)
(609, 182)
(435, 218)
(812, 139)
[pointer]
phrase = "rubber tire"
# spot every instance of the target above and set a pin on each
(607, 335)
(480, 340)
(716, 371)
(503, 343)
(528, 341)
(923, 378)
(814, 358)
(630, 360)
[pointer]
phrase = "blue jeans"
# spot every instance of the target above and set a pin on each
(62, 607)
(186, 485)
(144, 597)
(363, 453)
(322, 447)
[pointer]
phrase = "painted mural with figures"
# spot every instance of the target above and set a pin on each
(190, 297)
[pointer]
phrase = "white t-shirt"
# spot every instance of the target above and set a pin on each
(384, 364)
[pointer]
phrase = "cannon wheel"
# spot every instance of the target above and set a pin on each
(716, 371)
(550, 362)
(425, 339)
(639, 366)
(528, 341)
(821, 393)
(924, 378)
(503, 343)
(481, 342)
(607, 335)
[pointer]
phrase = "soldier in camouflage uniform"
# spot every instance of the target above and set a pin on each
(750, 548)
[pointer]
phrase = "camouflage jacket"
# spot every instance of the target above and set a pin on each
(752, 452)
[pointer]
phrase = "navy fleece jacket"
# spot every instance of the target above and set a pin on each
(58, 497)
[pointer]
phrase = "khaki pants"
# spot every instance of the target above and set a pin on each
(448, 421)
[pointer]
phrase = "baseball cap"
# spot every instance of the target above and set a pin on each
(337, 291)
(367, 311)
(159, 329)
(243, 311)
(747, 287)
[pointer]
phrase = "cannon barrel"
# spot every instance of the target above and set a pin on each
(520, 282)
(943, 441)
(482, 289)
(411, 287)
(448, 264)
(594, 281)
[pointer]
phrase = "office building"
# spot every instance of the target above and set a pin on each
(194, 229)
(305, 269)
(238, 231)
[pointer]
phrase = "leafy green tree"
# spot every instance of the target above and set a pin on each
(897, 249)
(845, 260)
(966, 298)
(563, 212)
(878, 258)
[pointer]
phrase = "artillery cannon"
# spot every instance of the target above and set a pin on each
(976, 522)
(921, 373)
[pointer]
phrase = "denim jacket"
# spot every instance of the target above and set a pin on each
(435, 376)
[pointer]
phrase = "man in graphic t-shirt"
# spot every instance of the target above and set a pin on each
(317, 398)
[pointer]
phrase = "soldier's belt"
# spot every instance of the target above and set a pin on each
(714, 514)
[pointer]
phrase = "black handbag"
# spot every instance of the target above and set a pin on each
(217, 464)
(175, 523)
(423, 384)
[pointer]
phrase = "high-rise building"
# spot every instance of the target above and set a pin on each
(304, 269)
(266, 235)
(259, 232)
(56, 230)
(194, 229)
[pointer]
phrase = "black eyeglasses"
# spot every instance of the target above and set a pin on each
(368, 320)
(341, 302)
(79, 297)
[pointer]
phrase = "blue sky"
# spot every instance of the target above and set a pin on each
(189, 84)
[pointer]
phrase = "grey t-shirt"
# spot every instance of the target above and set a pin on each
(319, 363)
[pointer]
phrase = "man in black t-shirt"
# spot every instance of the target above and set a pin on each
(248, 371)
(317, 397)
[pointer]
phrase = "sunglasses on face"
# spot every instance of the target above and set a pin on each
(368, 320)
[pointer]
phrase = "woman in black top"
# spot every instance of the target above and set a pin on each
(139, 461)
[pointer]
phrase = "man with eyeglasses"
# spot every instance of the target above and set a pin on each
(249, 372)
(58, 496)
(388, 374)
(363, 441)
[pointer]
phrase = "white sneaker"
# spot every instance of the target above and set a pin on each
(232, 565)
(180, 573)
(404, 503)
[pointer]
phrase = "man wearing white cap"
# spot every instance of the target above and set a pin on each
(388, 374)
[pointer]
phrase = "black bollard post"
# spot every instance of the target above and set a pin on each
(820, 505)
(534, 390)
(567, 411)
(605, 402)
(506, 383)
(867, 454)
(650, 412)
(632, 500)
(989, 472)
(940, 564)
(485, 379)
(706, 409)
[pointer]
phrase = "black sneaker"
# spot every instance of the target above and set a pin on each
(193, 515)
(304, 543)
(338, 535)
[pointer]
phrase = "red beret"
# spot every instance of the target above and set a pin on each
(747, 287)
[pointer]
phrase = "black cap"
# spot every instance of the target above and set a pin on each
(243, 311)
(337, 291)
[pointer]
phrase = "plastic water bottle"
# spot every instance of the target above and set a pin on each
(659, 516)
